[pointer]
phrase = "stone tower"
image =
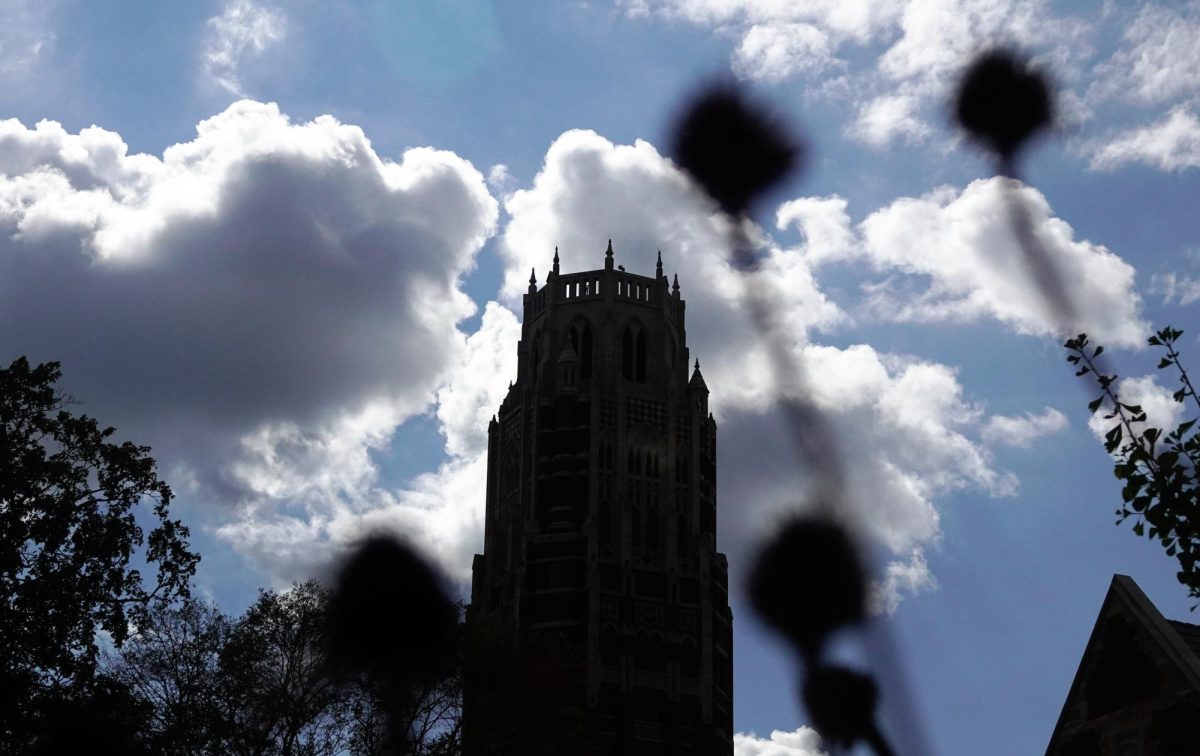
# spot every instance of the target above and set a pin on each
(599, 616)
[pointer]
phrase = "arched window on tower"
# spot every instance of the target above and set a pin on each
(581, 342)
(585, 351)
(537, 353)
(627, 354)
(639, 362)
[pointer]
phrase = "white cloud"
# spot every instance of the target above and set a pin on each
(263, 305)
(499, 179)
(1182, 289)
(1162, 411)
(926, 43)
(1172, 144)
(825, 225)
(773, 52)
(885, 119)
(1159, 60)
(26, 36)
(901, 577)
(963, 244)
(854, 19)
(1022, 430)
(242, 31)
(903, 424)
(803, 741)
(477, 385)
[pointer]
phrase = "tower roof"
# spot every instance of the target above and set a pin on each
(697, 381)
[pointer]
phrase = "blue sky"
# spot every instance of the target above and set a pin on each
(284, 244)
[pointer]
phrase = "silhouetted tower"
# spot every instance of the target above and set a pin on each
(599, 608)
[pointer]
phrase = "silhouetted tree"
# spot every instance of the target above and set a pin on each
(67, 535)
(1157, 467)
(277, 694)
(171, 665)
(262, 684)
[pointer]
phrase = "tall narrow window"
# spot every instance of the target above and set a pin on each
(640, 358)
(627, 354)
(605, 516)
(585, 351)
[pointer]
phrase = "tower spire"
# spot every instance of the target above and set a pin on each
(555, 259)
(675, 286)
(658, 272)
(608, 256)
(533, 281)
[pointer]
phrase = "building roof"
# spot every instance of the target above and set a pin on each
(1174, 645)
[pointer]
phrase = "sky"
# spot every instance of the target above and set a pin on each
(284, 244)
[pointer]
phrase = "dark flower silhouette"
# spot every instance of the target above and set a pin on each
(842, 703)
(389, 614)
(808, 581)
(1002, 101)
(733, 148)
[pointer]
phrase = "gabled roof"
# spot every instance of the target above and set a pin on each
(1177, 642)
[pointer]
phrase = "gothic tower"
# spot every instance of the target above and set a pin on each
(599, 615)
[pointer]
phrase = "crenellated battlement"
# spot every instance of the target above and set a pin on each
(605, 283)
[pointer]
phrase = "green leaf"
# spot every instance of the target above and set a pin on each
(1112, 439)
(1095, 403)
(1165, 362)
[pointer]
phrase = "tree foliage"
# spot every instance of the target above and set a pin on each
(262, 683)
(68, 537)
(171, 666)
(1157, 466)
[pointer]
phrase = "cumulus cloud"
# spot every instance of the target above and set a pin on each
(263, 304)
(1172, 144)
(903, 424)
(952, 256)
(477, 384)
(803, 741)
(240, 32)
(963, 245)
(1022, 430)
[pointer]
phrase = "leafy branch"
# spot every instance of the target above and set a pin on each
(1158, 468)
